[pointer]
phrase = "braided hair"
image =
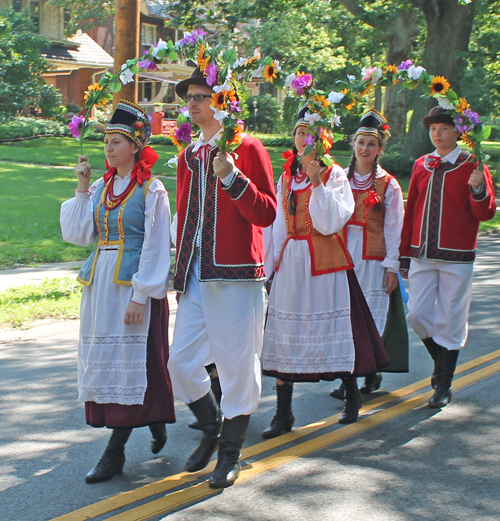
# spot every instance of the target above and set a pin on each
(294, 167)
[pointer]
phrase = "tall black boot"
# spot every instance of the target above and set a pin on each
(112, 460)
(228, 466)
(207, 412)
(353, 400)
(283, 419)
(434, 350)
(216, 389)
(372, 383)
(159, 432)
(339, 391)
(447, 362)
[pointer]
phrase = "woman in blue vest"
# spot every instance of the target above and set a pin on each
(123, 344)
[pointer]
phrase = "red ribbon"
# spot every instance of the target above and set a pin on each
(289, 156)
(434, 162)
(372, 199)
(141, 170)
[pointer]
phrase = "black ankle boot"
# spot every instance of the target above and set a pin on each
(228, 466)
(113, 459)
(353, 401)
(283, 419)
(159, 432)
(216, 389)
(207, 412)
(434, 350)
(446, 363)
(371, 384)
(338, 392)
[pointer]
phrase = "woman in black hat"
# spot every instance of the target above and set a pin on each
(373, 235)
(310, 335)
(123, 345)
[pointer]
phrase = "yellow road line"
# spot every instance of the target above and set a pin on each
(176, 480)
(202, 490)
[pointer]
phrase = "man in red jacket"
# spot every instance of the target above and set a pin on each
(448, 197)
(223, 204)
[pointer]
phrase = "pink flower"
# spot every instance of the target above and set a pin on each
(211, 72)
(75, 126)
(183, 133)
(300, 83)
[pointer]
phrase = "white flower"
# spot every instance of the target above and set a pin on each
(220, 88)
(172, 162)
(289, 79)
(312, 118)
(336, 120)
(445, 103)
(159, 46)
(221, 115)
(127, 76)
(239, 62)
(415, 72)
(350, 77)
(376, 75)
(277, 65)
(257, 73)
(335, 97)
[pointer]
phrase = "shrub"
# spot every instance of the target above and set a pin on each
(27, 127)
(268, 114)
(50, 103)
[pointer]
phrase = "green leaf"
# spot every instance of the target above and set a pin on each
(327, 159)
(115, 85)
(485, 133)
(172, 55)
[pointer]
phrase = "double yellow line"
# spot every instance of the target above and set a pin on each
(201, 490)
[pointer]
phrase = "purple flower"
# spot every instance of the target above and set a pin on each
(309, 140)
(234, 107)
(150, 117)
(190, 38)
(404, 66)
(473, 116)
(211, 72)
(240, 122)
(75, 126)
(183, 133)
(199, 33)
(461, 126)
(184, 111)
(148, 65)
(300, 83)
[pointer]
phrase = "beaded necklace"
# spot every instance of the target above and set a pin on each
(363, 185)
(112, 201)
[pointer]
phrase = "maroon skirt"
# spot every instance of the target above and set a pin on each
(369, 351)
(158, 406)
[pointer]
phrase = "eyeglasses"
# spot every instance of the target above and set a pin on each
(197, 97)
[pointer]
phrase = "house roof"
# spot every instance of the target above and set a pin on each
(158, 8)
(88, 52)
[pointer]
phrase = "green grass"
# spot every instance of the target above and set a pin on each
(53, 298)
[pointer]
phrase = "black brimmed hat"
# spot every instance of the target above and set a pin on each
(437, 115)
(197, 78)
(130, 120)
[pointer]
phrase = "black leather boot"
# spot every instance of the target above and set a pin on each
(113, 459)
(207, 412)
(446, 363)
(338, 392)
(353, 400)
(283, 419)
(371, 384)
(228, 466)
(434, 350)
(159, 432)
(216, 389)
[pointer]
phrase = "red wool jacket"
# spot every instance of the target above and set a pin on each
(442, 213)
(231, 221)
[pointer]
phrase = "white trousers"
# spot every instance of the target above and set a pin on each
(439, 301)
(221, 323)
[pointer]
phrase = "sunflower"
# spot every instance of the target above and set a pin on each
(238, 135)
(270, 72)
(351, 105)
(367, 90)
(232, 95)
(219, 101)
(465, 138)
(202, 61)
(462, 105)
(391, 68)
(439, 85)
(321, 99)
(175, 141)
(92, 90)
(251, 60)
(345, 91)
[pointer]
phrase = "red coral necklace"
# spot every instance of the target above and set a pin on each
(112, 201)
(365, 184)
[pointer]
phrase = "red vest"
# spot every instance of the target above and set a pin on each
(231, 220)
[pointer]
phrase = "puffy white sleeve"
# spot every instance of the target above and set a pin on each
(393, 223)
(173, 231)
(269, 263)
(279, 226)
(151, 280)
(331, 205)
(77, 217)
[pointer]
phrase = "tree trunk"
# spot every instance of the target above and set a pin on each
(399, 47)
(127, 23)
(449, 25)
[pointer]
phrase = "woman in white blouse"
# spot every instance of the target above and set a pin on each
(318, 325)
(373, 238)
(123, 344)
